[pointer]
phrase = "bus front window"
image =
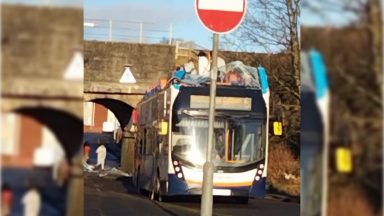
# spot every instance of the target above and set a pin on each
(236, 142)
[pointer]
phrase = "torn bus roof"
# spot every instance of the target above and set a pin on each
(232, 74)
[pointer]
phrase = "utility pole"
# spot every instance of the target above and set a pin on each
(141, 32)
(325, 165)
(207, 196)
(110, 30)
(170, 34)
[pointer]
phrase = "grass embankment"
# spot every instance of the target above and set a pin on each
(349, 201)
(284, 170)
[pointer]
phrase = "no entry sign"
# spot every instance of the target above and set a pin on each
(221, 16)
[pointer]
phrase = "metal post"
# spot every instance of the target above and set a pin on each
(170, 34)
(325, 164)
(207, 197)
(110, 30)
(382, 86)
(75, 203)
(141, 32)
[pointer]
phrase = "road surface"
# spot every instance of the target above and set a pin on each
(114, 196)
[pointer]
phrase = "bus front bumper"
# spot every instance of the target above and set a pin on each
(180, 187)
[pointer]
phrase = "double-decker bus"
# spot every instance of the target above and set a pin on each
(172, 136)
(315, 97)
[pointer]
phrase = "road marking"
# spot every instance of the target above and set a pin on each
(166, 207)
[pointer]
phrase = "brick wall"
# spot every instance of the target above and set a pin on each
(99, 117)
(30, 138)
(104, 61)
(39, 41)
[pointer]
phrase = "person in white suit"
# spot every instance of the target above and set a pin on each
(205, 64)
(101, 155)
(31, 201)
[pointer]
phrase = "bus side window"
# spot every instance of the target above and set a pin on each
(259, 151)
(149, 112)
(144, 141)
(140, 150)
(148, 143)
(160, 106)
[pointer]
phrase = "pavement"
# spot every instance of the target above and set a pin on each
(112, 195)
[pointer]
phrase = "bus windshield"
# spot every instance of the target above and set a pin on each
(237, 141)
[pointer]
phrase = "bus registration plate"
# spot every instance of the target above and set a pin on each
(221, 192)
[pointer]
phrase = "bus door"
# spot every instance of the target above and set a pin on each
(311, 139)
(148, 157)
(314, 134)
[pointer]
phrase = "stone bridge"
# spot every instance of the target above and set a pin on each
(38, 44)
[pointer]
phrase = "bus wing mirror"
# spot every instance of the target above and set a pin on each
(163, 128)
(132, 129)
(344, 160)
(277, 128)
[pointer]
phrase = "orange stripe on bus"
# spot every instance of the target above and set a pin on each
(223, 184)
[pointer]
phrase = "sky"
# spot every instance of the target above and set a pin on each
(159, 17)
(179, 13)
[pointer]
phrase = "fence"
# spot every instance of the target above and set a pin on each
(47, 3)
(127, 31)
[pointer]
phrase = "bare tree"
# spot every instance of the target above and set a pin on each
(293, 10)
(359, 96)
(350, 10)
(362, 13)
(374, 13)
(272, 26)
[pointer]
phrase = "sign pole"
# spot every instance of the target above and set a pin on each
(207, 197)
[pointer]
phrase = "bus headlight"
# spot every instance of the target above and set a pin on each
(259, 172)
(178, 169)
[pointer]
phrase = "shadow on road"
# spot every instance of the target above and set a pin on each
(131, 189)
(116, 195)
(128, 184)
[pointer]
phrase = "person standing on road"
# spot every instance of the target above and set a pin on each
(101, 156)
(87, 151)
(117, 135)
(31, 201)
(6, 200)
(63, 172)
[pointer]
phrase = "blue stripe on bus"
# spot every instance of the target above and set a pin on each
(177, 86)
(263, 79)
(176, 186)
(258, 189)
(320, 73)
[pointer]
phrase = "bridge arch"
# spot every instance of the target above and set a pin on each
(120, 109)
(65, 126)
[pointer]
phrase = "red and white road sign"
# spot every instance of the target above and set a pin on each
(221, 16)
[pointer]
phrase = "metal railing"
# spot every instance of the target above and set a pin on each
(127, 31)
(47, 3)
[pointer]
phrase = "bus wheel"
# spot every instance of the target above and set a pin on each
(158, 190)
(242, 200)
(155, 193)
(152, 195)
(138, 182)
